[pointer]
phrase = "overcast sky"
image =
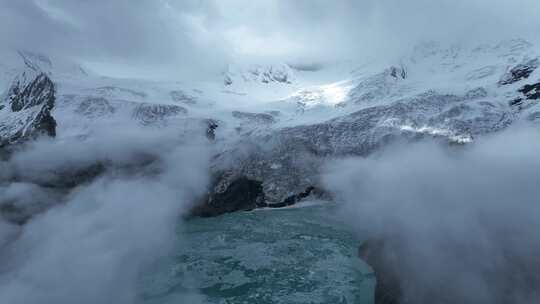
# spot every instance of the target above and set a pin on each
(199, 35)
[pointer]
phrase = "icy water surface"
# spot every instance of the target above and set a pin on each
(296, 255)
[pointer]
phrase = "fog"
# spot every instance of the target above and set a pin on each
(461, 222)
(92, 245)
(196, 39)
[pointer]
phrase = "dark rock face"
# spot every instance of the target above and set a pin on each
(520, 72)
(388, 287)
(26, 113)
(94, 107)
(52, 187)
(512, 278)
(211, 126)
(529, 92)
(398, 72)
(227, 80)
(38, 92)
(293, 199)
(288, 160)
(149, 114)
(243, 194)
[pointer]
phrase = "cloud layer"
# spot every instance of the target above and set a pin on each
(93, 242)
(462, 223)
(194, 38)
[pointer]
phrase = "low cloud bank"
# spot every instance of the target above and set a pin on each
(196, 39)
(91, 246)
(462, 222)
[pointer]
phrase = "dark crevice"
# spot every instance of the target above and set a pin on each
(293, 199)
(243, 194)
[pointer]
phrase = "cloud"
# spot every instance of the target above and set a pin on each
(153, 36)
(94, 242)
(197, 38)
(462, 221)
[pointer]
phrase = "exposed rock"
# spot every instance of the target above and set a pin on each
(296, 198)
(398, 72)
(148, 113)
(530, 92)
(242, 194)
(227, 80)
(520, 72)
(26, 112)
(94, 107)
(211, 127)
(288, 161)
(385, 264)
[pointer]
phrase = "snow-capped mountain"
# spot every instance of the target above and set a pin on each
(272, 127)
(263, 74)
(25, 111)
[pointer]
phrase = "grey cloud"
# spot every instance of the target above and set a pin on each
(149, 34)
(463, 222)
(93, 244)
(199, 37)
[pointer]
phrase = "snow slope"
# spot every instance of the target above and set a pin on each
(277, 123)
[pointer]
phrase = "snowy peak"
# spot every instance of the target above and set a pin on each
(264, 74)
(26, 110)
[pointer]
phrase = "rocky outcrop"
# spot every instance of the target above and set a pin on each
(148, 114)
(242, 194)
(25, 112)
(211, 126)
(288, 161)
(520, 72)
(51, 186)
(94, 107)
(529, 92)
(398, 72)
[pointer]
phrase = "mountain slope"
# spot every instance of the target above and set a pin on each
(25, 112)
(272, 129)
